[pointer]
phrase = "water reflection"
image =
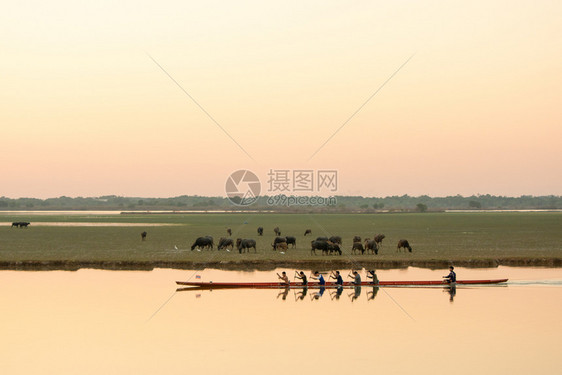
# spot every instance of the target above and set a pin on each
(301, 294)
(452, 290)
(372, 294)
(284, 293)
(64, 322)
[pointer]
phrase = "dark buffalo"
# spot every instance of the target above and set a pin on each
(379, 238)
(325, 239)
(203, 243)
(371, 245)
(335, 239)
(357, 246)
(277, 231)
(356, 239)
(225, 243)
(404, 244)
(245, 244)
(143, 236)
(278, 240)
(20, 224)
(291, 241)
(308, 231)
(229, 231)
(260, 231)
(334, 248)
(319, 245)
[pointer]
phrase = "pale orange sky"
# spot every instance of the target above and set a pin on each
(85, 112)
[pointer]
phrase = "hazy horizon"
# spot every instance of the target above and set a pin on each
(85, 111)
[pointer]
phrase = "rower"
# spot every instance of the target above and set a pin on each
(372, 275)
(336, 275)
(302, 277)
(284, 277)
(356, 278)
(451, 277)
(318, 276)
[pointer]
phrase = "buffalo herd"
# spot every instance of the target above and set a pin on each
(325, 245)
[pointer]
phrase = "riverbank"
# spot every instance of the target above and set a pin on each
(267, 265)
(102, 241)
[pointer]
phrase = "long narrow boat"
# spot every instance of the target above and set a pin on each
(265, 285)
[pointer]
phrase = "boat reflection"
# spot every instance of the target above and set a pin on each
(284, 293)
(452, 290)
(372, 294)
(301, 294)
(356, 293)
(316, 292)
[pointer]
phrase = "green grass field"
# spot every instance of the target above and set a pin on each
(451, 237)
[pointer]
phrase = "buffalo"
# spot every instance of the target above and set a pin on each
(291, 241)
(356, 239)
(245, 244)
(357, 246)
(326, 247)
(20, 224)
(229, 231)
(319, 245)
(225, 243)
(334, 248)
(325, 239)
(260, 231)
(278, 240)
(379, 238)
(277, 231)
(371, 245)
(308, 231)
(404, 244)
(335, 239)
(203, 243)
(143, 236)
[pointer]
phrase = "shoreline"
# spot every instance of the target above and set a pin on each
(267, 265)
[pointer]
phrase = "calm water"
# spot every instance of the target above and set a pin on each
(114, 322)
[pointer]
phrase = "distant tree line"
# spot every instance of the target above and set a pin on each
(344, 203)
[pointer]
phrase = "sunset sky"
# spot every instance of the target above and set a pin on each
(85, 111)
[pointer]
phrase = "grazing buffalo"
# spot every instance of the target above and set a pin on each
(319, 245)
(334, 248)
(379, 238)
(20, 224)
(203, 243)
(245, 244)
(357, 246)
(326, 247)
(371, 245)
(356, 239)
(225, 243)
(291, 241)
(143, 236)
(335, 239)
(404, 244)
(278, 240)
(277, 231)
(229, 231)
(260, 231)
(308, 231)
